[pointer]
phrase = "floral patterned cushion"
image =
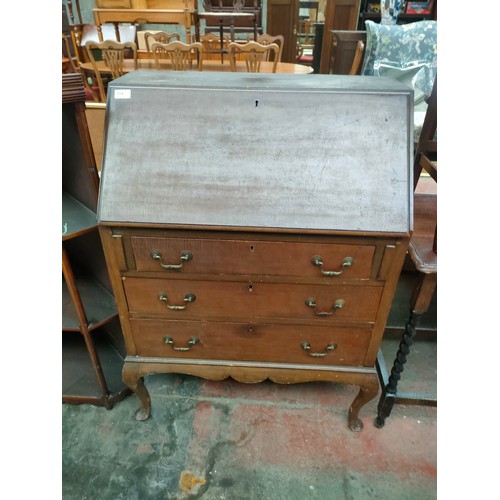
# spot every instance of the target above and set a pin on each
(407, 52)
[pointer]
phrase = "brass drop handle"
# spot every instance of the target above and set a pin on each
(185, 256)
(170, 341)
(318, 261)
(307, 347)
(338, 304)
(190, 297)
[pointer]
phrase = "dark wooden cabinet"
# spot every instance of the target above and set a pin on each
(247, 248)
(339, 15)
(282, 19)
(245, 25)
(92, 343)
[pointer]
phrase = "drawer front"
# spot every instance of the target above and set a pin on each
(207, 256)
(251, 342)
(181, 299)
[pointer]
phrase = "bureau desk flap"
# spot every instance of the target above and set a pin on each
(321, 152)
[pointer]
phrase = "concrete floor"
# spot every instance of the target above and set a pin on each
(227, 440)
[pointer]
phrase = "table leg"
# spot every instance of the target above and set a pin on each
(117, 32)
(221, 41)
(232, 30)
(99, 33)
(389, 392)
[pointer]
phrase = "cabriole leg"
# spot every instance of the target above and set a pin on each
(366, 393)
(132, 376)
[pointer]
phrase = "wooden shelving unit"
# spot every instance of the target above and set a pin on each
(370, 10)
(92, 344)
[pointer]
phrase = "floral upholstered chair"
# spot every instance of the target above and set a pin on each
(406, 52)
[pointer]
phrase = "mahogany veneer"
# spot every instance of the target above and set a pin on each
(241, 247)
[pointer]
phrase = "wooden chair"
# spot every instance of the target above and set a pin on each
(423, 254)
(253, 54)
(358, 58)
(211, 44)
(68, 56)
(179, 54)
(77, 54)
(346, 52)
(266, 39)
(113, 54)
(159, 36)
(426, 148)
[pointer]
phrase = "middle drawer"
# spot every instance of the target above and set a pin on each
(229, 299)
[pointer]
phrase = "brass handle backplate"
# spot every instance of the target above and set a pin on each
(190, 297)
(318, 261)
(307, 347)
(185, 256)
(170, 341)
(338, 304)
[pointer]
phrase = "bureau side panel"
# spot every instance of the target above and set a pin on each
(390, 271)
(115, 260)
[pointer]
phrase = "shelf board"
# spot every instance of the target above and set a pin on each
(404, 17)
(77, 219)
(99, 304)
(79, 379)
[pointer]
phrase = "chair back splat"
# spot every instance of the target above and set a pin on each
(113, 54)
(211, 44)
(253, 54)
(266, 39)
(159, 36)
(180, 55)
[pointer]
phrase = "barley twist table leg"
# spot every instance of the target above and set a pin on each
(390, 390)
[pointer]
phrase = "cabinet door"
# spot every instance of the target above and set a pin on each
(339, 15)
(282, 18)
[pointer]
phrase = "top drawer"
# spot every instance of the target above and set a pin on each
(267, 258)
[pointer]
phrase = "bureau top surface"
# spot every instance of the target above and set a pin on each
(278, 152)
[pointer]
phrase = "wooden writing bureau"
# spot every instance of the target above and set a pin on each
(255, 225)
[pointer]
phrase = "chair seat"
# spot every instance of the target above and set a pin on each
(421, 247)
(305, 59)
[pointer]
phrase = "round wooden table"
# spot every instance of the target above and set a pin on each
(208, 65)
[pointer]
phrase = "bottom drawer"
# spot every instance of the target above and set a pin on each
(251, 342)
